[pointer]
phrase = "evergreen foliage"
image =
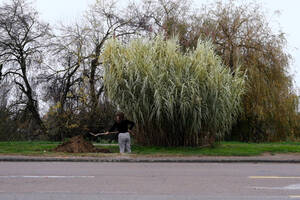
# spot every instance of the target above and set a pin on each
(175, 98)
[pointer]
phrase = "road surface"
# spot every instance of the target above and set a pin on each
(145, 181)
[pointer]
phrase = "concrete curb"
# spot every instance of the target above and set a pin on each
(128, 159)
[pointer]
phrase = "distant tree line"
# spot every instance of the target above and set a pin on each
(52, 78)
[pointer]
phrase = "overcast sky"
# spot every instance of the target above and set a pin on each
(54, 11)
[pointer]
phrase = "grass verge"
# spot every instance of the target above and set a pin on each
(223, 149)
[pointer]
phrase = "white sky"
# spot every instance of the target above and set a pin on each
(54, 11)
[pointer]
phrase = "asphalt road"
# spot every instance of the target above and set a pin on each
(145, 181)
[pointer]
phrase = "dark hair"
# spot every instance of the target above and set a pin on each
(121, 115)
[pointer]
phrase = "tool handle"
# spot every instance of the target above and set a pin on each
(97, 134)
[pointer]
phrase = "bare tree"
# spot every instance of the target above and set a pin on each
(82, 43)
(104, 21)
(70, 55)
(22, 41)
(76, 73)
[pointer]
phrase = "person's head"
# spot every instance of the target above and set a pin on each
(119, 116)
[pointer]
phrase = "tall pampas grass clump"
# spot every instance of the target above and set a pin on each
(175, 98)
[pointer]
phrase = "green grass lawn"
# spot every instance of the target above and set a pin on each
(27, 148)
(223, 149)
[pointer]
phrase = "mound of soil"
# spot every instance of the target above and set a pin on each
(78, 144)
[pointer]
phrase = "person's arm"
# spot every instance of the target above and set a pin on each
(130, 124)
(111, 129)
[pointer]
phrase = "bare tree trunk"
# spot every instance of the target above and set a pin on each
(94, 99)
(31, 102)
(22, 41)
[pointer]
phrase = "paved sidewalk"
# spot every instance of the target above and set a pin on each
(279, 158)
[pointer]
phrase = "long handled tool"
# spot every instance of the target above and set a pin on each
(97, 134)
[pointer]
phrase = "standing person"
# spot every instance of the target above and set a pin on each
(124, 127)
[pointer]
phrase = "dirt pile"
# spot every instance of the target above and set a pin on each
(78, 144)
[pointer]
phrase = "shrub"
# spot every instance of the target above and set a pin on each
(175, 98)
